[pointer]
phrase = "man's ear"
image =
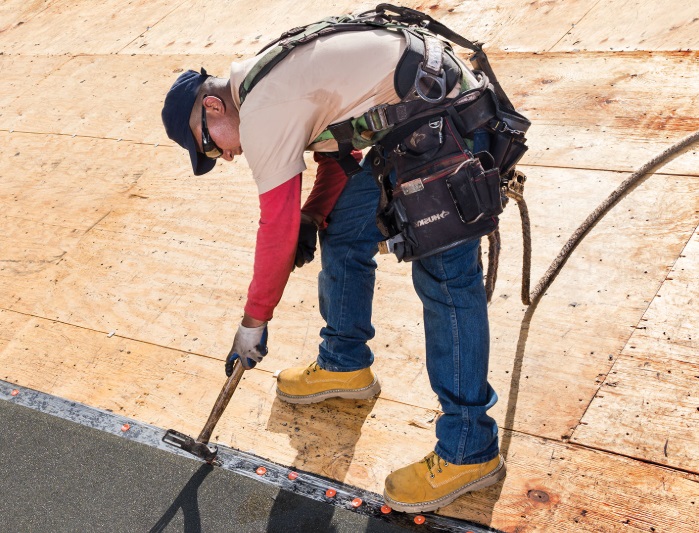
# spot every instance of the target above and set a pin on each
(214, 105)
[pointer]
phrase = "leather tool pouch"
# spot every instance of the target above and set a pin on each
(443, 196)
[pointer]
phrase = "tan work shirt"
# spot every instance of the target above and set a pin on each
(328, 80)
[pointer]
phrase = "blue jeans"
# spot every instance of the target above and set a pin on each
(450, 286)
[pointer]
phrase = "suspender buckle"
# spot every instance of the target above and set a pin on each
(376, 118)
(431, 68)
(440, 80)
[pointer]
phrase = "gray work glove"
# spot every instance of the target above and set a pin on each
(249, 345)
(306, 247)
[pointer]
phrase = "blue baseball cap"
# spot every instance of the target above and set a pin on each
(176, 111)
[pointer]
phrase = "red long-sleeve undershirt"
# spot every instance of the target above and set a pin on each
(278, 231)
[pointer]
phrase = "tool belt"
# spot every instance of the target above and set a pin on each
(444, 195)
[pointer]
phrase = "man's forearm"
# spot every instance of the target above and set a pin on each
(277, 236)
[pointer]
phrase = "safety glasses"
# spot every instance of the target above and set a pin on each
(208, 145)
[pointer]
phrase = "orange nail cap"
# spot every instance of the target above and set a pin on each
(331, 493)
(385, 509)
(15, 392)
(261, 471)
(125, 427)
(419, 519)
(293, 475)
(356, 502)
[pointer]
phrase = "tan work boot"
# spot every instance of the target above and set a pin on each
(312, 384)
(433, 483)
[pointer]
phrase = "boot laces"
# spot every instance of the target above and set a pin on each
(312, 367)
(433, 460)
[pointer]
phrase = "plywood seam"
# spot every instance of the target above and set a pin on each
(132, 339)
(150, 27)
(626, 342)
(573, 26)
(578, 55)
(93, 137)
(566, 443)
(679, 173)
(694, 475)
(168, 145)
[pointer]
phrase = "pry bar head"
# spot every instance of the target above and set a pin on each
(206, 452)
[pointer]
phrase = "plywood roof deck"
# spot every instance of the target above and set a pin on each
(105, 231)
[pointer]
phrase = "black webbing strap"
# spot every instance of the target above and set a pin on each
(349, 165)
(380, 170)
(479, 60)
(398, 113)
(385, 116)
(472, 115)
(412, 16)
(343, 133)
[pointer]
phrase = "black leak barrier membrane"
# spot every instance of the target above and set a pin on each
(307, 485)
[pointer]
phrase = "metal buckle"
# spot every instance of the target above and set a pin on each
(378, 114)
(441, 81)
(501, 126)
(507, 129)
(388, 246)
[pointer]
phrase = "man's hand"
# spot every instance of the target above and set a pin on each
(249, 345)
(306, 247)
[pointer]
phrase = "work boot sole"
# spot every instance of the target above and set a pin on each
(423, 507)
(350, 394)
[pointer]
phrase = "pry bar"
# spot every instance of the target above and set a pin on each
(201, 447)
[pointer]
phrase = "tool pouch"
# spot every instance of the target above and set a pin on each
(443, 196)
(507, 128)
(507, 144)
